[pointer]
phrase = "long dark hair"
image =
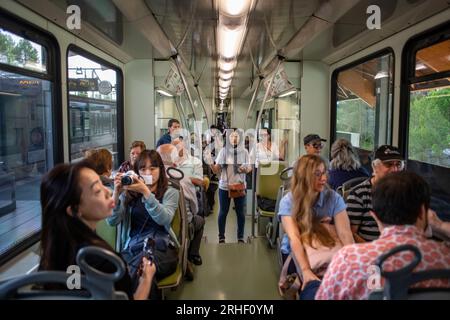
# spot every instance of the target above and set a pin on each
(62, 234)
(155, 161)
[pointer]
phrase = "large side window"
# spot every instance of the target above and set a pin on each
(95, 105)
(30, 120)
(426, 113)
(362, 103)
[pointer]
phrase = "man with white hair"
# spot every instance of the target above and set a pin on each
(170, 157)
(359, 202)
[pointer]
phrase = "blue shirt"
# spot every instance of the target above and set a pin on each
(337, 177)
(329, 204)
(165, 139)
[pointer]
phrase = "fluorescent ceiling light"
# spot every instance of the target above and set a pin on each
(226, 66)
(381, 74)
(229, 41)
(225, 76)
(288, 93)
(420, 66)
(164, 92)
(234, 7)
(3, 93)
(224, 83)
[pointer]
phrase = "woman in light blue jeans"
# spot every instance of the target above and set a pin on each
(232, 163)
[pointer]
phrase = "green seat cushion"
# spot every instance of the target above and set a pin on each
(171, 280)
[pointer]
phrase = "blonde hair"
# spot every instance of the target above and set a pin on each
(343, 156)
(304, 197)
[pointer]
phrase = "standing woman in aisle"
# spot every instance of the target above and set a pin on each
(232, 163)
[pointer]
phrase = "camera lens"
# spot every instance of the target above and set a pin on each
(127, 180)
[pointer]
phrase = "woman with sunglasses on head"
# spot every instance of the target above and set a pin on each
(306, 213)
(146, 205)
(73, 201)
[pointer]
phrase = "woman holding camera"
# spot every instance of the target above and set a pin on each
(73, 202)
(233, 164)
(145, 205)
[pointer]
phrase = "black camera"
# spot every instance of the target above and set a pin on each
(127, 179)
(149, 249)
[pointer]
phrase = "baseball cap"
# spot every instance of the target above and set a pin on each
(387, 153)
(312, 137)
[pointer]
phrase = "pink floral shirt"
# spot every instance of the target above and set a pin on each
(348, 275)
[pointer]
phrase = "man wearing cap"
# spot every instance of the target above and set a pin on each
(359, 202)
(313, 144)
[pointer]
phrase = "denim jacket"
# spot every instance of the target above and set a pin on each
(161, 213)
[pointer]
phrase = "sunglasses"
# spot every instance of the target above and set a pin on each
(400, 165)
(319, 145)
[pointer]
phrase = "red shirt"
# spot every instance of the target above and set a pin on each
(349, 276)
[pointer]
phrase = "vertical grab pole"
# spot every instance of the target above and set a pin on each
(203, 105)
(255, 93)
(177, 64)
(280, 60)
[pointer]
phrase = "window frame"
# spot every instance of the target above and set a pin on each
(120, 98)
(22, 28)
(333, 93)
(422, 40)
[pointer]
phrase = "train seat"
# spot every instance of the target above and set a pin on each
(94, 284)
(397, 283)
(179, 227)
(347, 186)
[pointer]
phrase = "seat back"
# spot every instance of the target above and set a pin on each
(348, 186)
(96, 284)
(397, 283)
(107, 233)
(268, 179)
(179, 226)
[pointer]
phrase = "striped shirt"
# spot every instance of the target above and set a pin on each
(359, 205)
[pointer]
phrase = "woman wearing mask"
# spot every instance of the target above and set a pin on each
(306, 212)
(232, 163)
(73, 201)
(146, 208)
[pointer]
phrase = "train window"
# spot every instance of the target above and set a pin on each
(29, 129)
(22, 53)
(362, 101)
(426, 113)
(433, 59)
(94, 88)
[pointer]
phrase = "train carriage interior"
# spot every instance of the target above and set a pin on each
(78, 75)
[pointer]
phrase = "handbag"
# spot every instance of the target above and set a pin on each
(289, 284)
(236, 190)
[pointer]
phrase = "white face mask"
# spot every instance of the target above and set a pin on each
(148, 179)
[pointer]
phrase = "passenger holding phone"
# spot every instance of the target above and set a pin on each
(145, 205)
